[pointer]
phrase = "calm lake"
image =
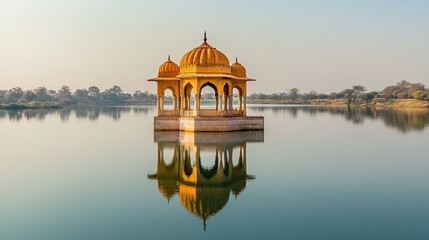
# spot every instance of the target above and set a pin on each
(314, 173)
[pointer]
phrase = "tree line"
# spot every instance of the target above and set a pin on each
(64, 96)
(400, 90)
(93, 95)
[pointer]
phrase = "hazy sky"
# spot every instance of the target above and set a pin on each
(312, 45)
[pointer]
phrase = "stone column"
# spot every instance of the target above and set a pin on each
(217, 102)
(199, 102)
(240, 103)
(178, 104)
(174, 103)
(159, 105)
(226, 102)
(244, 105)
(220, 102)
(196, 105)
(181, 104)
(230, 103)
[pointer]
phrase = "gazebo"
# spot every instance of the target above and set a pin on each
(203, 66)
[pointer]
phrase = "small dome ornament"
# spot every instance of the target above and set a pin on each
(238, 70)
(168, 69)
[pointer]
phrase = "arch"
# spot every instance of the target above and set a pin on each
(237, 94)
(209, 99)
(209, 84)
(169, 100)
(237, 100)
(238, 88)
(188, 96)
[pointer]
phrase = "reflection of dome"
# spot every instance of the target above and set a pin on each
(238, 70)
(168, 69)
(238, 186)
(203, 202)
(204, 55)
(168, 188)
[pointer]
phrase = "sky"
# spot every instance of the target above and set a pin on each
(318, 45)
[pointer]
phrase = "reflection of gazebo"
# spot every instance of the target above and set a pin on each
(203, 192)
(203, 202)
(203, 66)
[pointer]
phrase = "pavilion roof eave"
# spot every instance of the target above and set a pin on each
(162, 78)
(214, 75)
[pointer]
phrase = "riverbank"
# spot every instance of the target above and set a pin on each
(55, 105)
(395, 103)
(30, 106)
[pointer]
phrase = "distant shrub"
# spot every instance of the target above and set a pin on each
(421, 95)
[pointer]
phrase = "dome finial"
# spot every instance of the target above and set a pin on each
(205, 36)
(169, 57)
(236, 60)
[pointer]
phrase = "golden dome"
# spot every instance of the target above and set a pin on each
(204, 56)
(168, 69)
(238, 70)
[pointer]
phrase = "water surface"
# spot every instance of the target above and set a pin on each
(314, 173)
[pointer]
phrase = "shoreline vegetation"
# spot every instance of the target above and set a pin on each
(380, 103)
(400, 95)
(41, 97)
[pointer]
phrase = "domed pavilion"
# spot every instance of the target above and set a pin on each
(204, 66)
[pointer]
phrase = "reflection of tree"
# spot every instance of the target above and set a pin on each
(91, 113)
(402, 120)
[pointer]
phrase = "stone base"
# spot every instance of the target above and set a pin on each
(208, 124)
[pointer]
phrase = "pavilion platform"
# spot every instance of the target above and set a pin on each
(208, 124)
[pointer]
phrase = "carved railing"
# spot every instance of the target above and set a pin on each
(203, 113)
(169, 113)
(208, 113)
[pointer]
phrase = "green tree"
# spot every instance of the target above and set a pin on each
(3, 94)
(422, 95)
(294, 93)
(64, 94)
(29, 96)
(113, 95)
(402, 89)
(42, 94)
(14, 95)
(81, 95)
